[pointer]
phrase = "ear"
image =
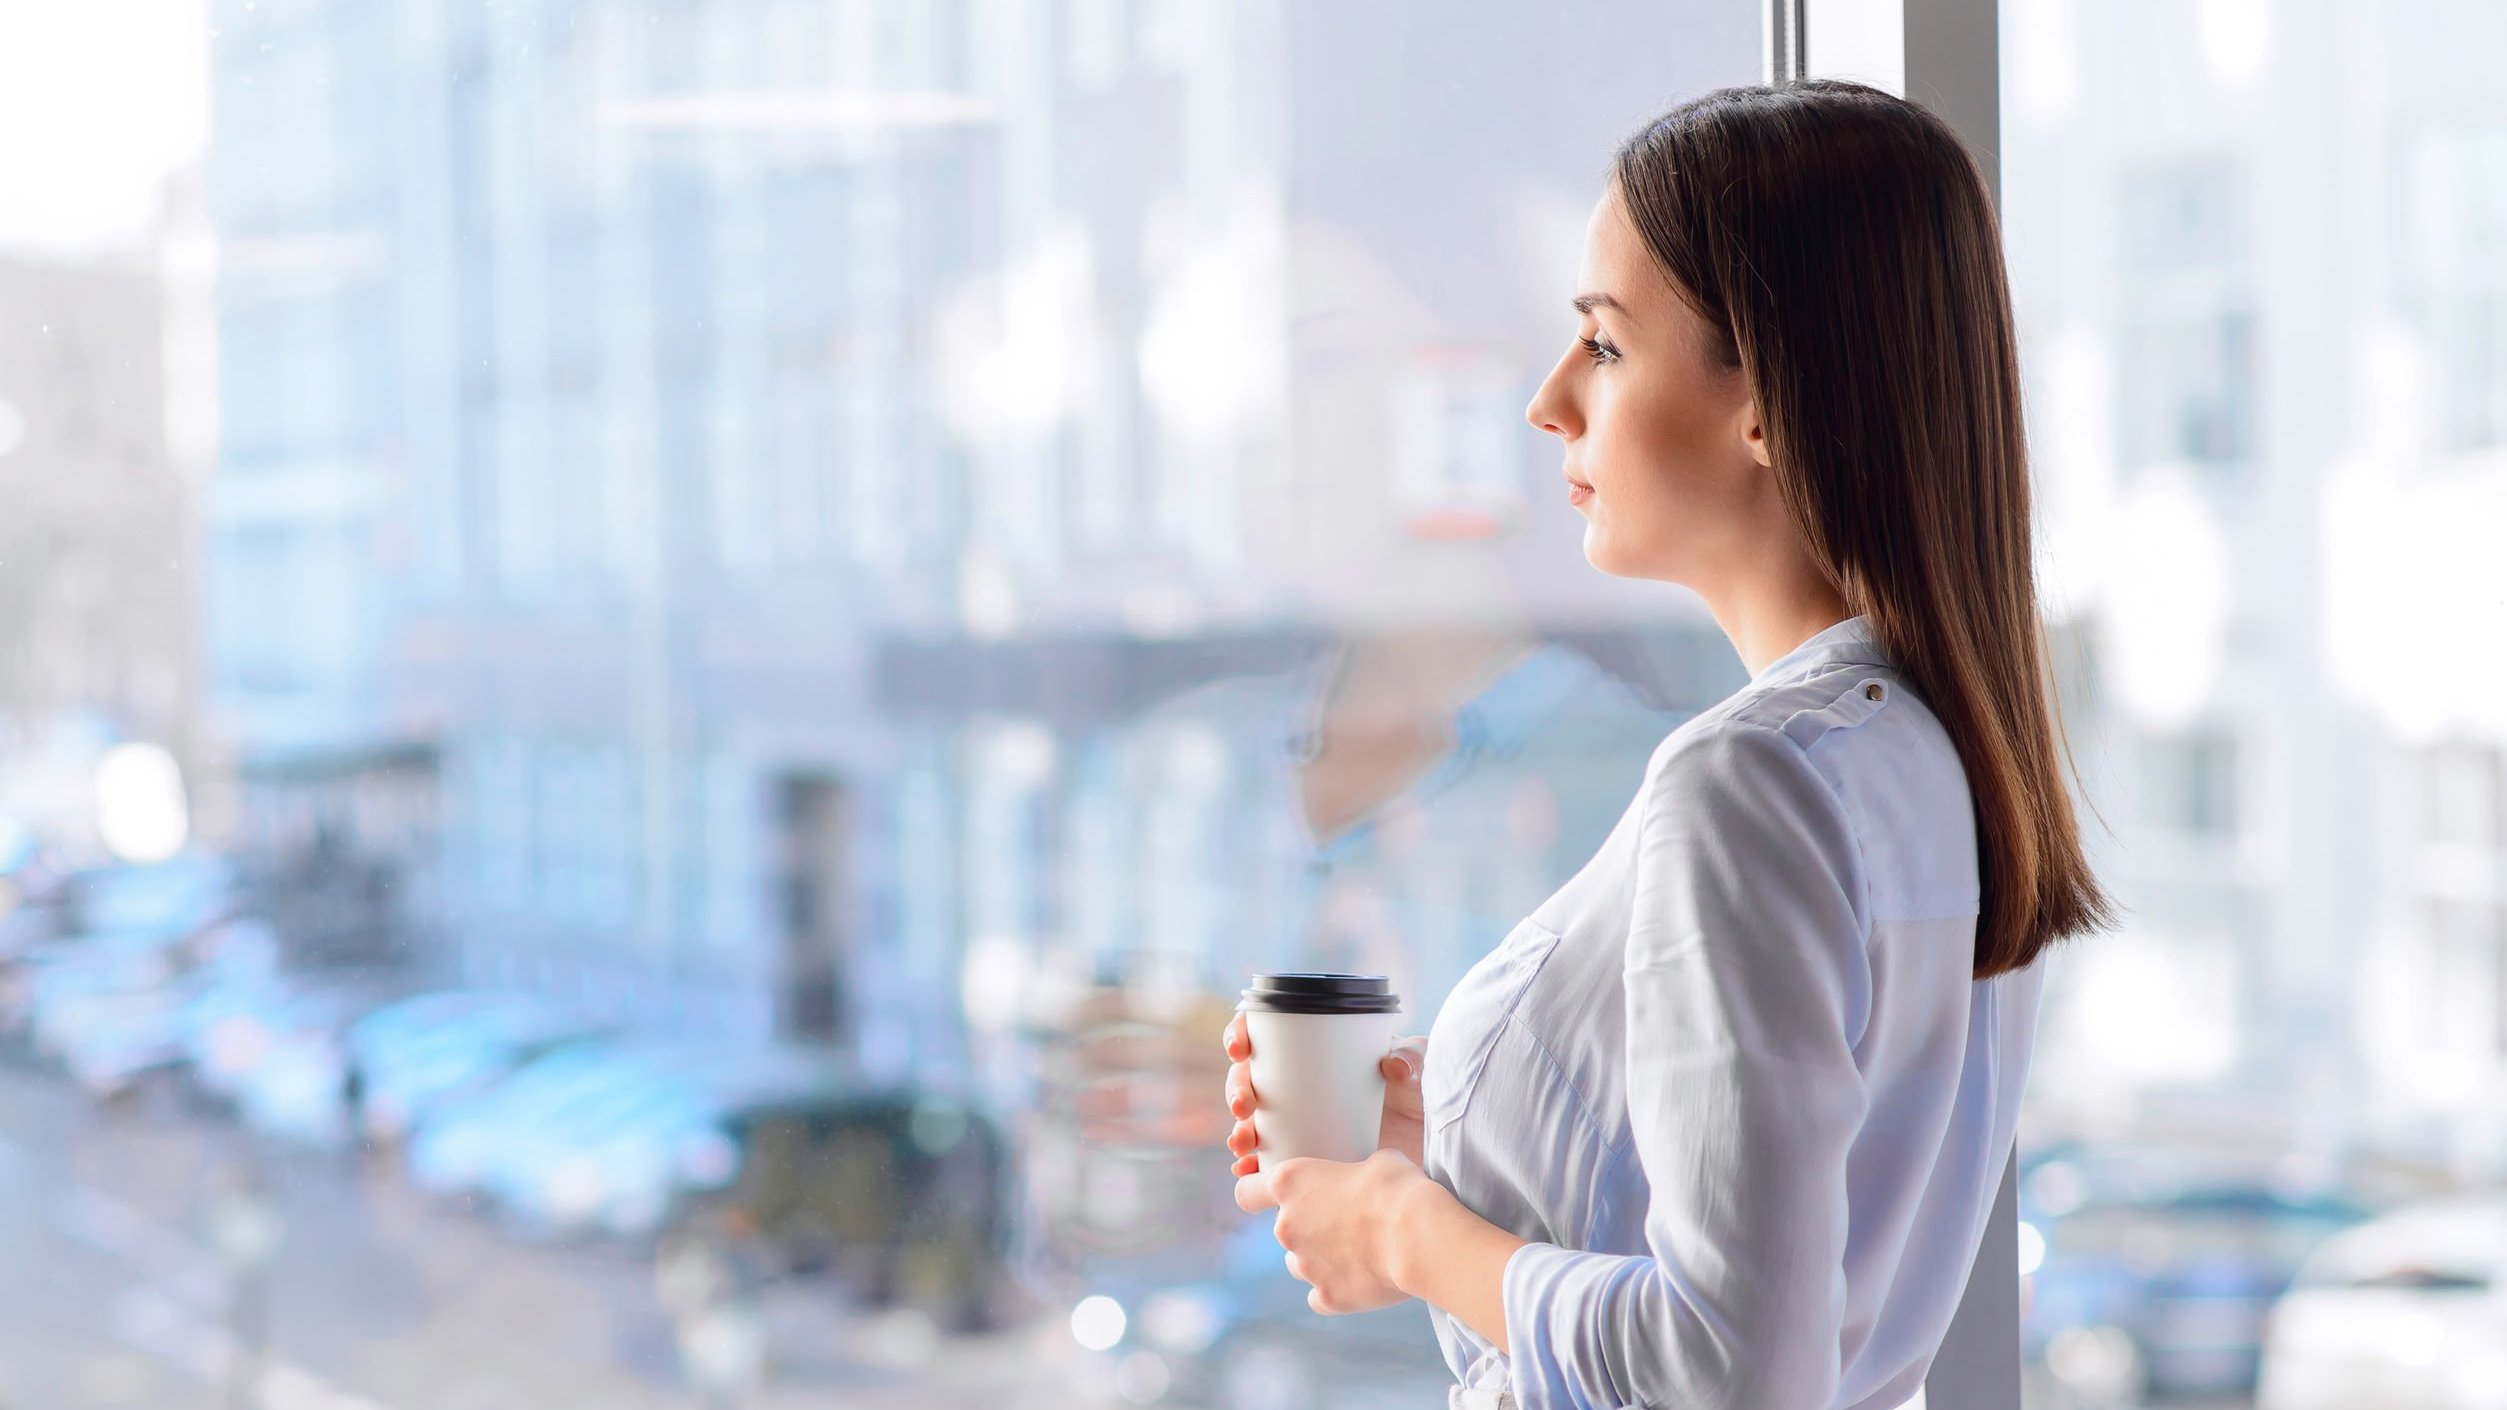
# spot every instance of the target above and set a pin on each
(1754, 433)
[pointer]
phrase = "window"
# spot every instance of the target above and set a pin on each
(2187, 354)
(893, 481)
(2191, 782)
(2454, 238)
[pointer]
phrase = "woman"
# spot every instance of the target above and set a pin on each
(1719, 1124)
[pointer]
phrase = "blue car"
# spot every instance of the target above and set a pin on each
(546, 1179)
(2148, 1285)
(622, 1165)
(456, 1148)
(403, 1074)
(382, 1034)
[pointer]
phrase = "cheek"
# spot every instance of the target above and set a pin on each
(1646, 457)
(1651, 471)
(1648, 434)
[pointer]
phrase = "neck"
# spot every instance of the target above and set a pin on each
(1765, 623)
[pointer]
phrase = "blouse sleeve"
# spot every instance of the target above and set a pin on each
(1748, 985)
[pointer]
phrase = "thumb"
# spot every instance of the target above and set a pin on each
(1400, 1066)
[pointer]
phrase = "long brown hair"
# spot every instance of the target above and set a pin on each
(1842, 242)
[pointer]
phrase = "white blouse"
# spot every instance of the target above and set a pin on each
(1734, 1079)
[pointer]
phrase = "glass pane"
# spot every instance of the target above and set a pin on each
(759, 611)
(2257, 265)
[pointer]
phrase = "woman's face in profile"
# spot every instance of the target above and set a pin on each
(1666, 440)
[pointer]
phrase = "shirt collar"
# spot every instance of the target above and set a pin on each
(1848, 642)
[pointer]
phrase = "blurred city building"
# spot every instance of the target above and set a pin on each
(708, 488)
(705, 488)
(2258, 251)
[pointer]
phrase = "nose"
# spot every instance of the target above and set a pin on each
(1550, 410)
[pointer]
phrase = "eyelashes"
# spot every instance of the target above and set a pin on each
(1597, 350)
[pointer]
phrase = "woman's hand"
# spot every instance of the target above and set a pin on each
(1343, 1224)
(1404, 1126)
(1370, 1233)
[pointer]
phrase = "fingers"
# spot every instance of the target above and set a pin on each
(1241, 1138)
(1253, 1193)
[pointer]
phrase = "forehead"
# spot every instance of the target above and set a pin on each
(1616, 261)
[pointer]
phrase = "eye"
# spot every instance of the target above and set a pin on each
(1598, 351)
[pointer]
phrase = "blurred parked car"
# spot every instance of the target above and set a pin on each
(70, 991)
(419, 1014)
(108, 932)
(399, 1071)
(171, 897)
(545, 1179)
(223, 1031)
(122, 1040)
(2408, 1312)
(456, 1143)
(383, 1036)
(2152, 1278)
(899, 1197)
(121, 1008)
(620, 1163)
(296, 1090)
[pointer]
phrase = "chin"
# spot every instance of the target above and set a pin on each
(1599, 552)
(1608, 557)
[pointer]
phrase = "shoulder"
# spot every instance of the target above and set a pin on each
(1742, 829)
(1775, 728)
(1742, 777)
(1841, 721)
(1856, 757)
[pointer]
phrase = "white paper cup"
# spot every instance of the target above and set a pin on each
(1318, 1044)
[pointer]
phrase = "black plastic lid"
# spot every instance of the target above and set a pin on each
(1321, 993)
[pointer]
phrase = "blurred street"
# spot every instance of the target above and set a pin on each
(378, 1300)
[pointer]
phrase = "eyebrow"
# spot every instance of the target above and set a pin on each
(1586, 303)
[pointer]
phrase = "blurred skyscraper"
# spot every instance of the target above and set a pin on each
(702, 480)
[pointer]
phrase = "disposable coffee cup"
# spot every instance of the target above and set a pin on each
(1318, 1042)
